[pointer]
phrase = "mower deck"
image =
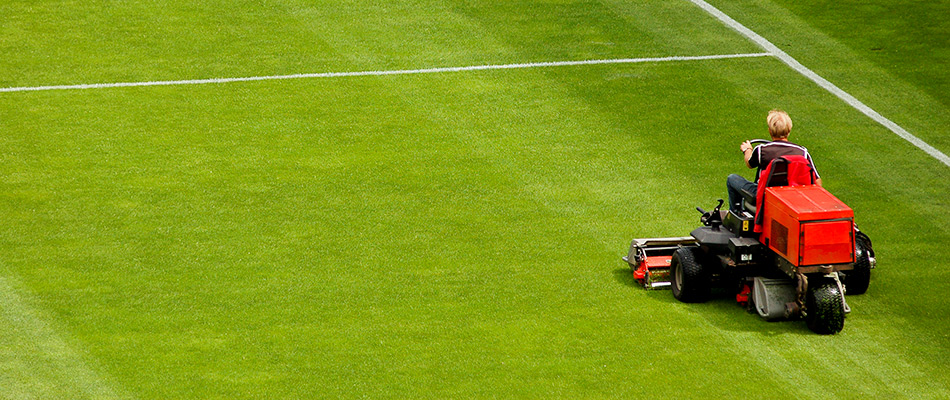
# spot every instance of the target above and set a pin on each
(650, 259)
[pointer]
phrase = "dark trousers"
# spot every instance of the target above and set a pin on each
(735, 183)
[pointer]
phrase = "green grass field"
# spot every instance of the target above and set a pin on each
(447, 234)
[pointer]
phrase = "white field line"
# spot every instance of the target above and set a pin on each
(382, 73)
(824, 83)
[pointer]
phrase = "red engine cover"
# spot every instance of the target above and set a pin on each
(807, 225)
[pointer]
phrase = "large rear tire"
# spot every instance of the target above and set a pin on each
(690, 281)
(825, 309)
(859, 278)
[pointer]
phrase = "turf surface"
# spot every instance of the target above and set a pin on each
(441, 235)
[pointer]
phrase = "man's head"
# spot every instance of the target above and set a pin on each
(780, 124)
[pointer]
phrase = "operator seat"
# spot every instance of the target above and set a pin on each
(789, 170)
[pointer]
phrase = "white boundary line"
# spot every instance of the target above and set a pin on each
(382, 73)
(824, 83)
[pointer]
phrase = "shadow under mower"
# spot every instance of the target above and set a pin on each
(808, 255)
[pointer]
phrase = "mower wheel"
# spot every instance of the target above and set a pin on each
(690, 281)
(859, 278)
(825, 309)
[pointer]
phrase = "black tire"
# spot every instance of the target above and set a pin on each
(824, 308)
(859, 278)
(689, 280)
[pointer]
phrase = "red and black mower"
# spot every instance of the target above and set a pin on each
(794, 256)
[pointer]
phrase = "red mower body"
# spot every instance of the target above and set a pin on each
(808, 226)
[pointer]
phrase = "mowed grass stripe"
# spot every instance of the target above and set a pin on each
(35, 361)
(815, 367)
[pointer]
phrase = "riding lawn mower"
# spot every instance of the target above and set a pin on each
(792, 251)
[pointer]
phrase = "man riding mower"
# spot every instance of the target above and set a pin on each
(788, 249)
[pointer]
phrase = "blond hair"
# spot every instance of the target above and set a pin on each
(780, 124)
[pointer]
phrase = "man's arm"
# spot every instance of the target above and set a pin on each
(746, 149)
(813, 169)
